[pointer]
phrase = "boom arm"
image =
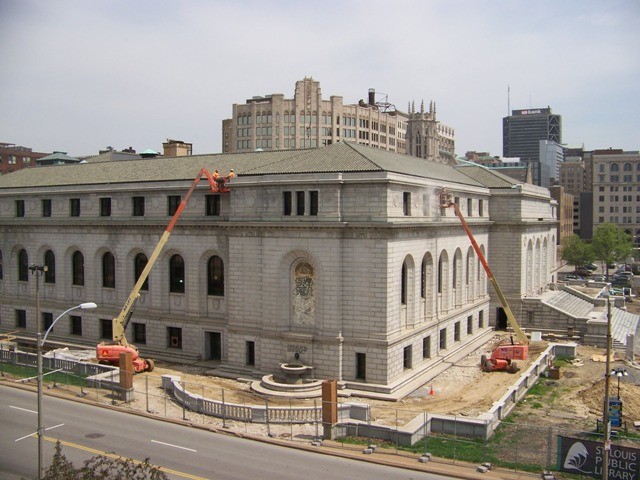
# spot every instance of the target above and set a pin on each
(445, 202)
(121, 322)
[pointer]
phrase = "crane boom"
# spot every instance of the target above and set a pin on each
(121, 322)
(445, 202)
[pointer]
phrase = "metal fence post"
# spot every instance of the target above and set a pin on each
(224, 411)
(266, 404)
(315, 415)
(146, 392)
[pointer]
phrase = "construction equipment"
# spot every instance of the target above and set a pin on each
(502, 357)
(109, 352)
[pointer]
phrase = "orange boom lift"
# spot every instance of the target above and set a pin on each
(502, 357)
(109, 352)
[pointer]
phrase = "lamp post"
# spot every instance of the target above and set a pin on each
(40, 343)
(619, 372)
(38, 271)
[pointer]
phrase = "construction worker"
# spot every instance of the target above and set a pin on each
(231, 175)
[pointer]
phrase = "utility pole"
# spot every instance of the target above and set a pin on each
(606, 430)
(38, 271)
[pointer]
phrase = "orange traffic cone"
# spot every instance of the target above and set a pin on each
(432, 392)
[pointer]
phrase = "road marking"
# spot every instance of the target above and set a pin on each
(114, 456)
(23, 409)
(36, 433)
(171, 445)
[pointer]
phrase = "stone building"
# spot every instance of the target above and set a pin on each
(340, 258)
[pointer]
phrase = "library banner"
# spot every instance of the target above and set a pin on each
(585, 457)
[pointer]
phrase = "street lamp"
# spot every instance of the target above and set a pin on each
(40, 343)
(619, 372)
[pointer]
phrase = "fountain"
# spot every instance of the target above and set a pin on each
(294, 381)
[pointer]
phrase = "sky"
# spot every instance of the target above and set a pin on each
(80, 75)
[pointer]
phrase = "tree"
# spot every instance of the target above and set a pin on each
(101, 467)
(577, 252)
(611, 244)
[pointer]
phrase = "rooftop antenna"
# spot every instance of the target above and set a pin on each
(508, 100)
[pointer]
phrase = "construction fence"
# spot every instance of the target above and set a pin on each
(401, 431)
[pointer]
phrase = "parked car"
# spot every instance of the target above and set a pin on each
(623, 274)
(598, 278)
(571, 276)
(590, 266)
(583, 272)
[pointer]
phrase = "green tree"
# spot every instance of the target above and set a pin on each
(611, 244)
(577, 252)
(101, 467)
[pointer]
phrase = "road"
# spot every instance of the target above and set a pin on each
(183, 452)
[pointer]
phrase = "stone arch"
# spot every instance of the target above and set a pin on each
(443, 281)
(428, 284)
(457, 282)
(529, 267)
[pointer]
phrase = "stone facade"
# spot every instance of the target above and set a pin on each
(340, 258)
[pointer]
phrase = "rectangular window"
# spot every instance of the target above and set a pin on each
(250, 359)
(481, 208)
(76, 325)
(481, 319)
(361, 366)
(140, 333)
(469, 207)
(286, 202)
(47, 321)
(21, 319)
(174, 339)
(469, 325)
(456, 332)
(426, 347)
(313, 202)
(19, 208)
(46, 207)
(106, 328)
(406, 203)
(299, 203)
(443, 339)
(213, 205)
(173, 202)
(406, 357)
(138, 206)
(74, 207)
(105, 207)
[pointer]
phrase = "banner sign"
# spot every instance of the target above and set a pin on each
(585, 457)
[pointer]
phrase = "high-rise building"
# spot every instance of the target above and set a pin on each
(522, 133)
(616, 190)
(272, 122)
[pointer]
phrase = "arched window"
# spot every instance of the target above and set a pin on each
(215, 276)
(403, 284)
(77, 268)
(614, 167)
(108, 270)
(139, 262)
(304, 295)
(50, 263)
(23, 266)
(423, 278)
(440, 272)
(628, 167)
(176, 274)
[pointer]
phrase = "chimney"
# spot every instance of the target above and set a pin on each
(177, 148)
(372, 96)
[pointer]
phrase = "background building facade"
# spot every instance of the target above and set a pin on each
(273, 122)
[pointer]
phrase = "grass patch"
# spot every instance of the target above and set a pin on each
(20, 371)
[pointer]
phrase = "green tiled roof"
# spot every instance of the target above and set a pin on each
(340, 157)
(487, 177)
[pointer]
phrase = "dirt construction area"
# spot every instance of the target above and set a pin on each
(574, 401)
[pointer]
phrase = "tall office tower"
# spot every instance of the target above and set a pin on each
(272, 122)
(522, 133)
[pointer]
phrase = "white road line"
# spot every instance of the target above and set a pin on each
(23, 409)
(36, 433)
(176, 446)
